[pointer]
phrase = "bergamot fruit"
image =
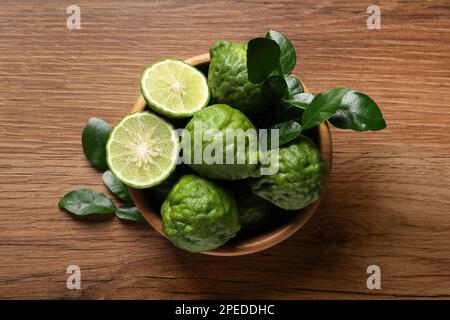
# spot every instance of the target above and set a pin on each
(216, 145)
(228, 78)
(174, 88)
(300, 178)
(198, 215)
(254, 212)
(142, 150)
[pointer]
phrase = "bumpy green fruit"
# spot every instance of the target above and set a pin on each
(254, 212)
(228, 78)
(300, 179)
(219, 118)
(198, 215)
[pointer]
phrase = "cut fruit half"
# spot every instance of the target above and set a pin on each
(174, 88)
(142, 150)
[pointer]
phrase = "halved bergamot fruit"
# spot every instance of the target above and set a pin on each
(142, 150)
(174, 88)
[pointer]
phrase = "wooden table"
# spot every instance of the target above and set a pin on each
(387, 202)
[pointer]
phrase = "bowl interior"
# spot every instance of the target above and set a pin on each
(279, 230)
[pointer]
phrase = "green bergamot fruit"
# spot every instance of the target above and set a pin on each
(198, 215)
(254, 212)
(228, 78)
(208, 154)
(300, 178)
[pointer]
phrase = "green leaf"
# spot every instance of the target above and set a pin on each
(116, 186)
(287, 114)
(294, 86)
(129, 213)
(84, 202)
(288, 58)
(293, 108)
(287, 131)
(94, 138)
(357, 111)
(300, 100)
(323, 107)
(263, 58)
(274, 89)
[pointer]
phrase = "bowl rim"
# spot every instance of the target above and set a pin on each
(258, 242)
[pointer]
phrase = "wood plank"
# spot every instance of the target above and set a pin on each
(387, 202)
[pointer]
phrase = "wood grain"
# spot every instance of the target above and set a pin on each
(388, 198)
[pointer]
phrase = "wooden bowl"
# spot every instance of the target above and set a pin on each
(257, 242)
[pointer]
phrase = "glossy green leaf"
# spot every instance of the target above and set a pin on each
(294, 86)
(288, 113)
(293, 108)
(130, 214)
(300, 100)
(323, 107)
(287, 131)
(357, 111)
(94, 138)
(288, 58)
(263, 58)
(116, 186)
(274, 89)
(84, 202)
(346, 109)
